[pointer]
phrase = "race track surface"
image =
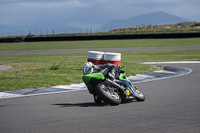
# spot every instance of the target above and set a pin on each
(171, 105)
(101, 49)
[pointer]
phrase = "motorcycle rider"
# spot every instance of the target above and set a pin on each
(109, 84)
(89, 68)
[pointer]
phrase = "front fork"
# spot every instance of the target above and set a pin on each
(129, 89)
(126, 88)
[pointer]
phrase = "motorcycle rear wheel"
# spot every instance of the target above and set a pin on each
(110, 97)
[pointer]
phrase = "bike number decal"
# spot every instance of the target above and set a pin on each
(127, 92)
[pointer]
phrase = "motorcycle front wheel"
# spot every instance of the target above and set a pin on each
(108, 95)
(139, 95)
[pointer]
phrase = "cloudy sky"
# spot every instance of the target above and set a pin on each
(89, 13)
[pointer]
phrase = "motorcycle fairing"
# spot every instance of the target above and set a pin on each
(88, 78)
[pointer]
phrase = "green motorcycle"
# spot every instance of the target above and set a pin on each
(111, 91)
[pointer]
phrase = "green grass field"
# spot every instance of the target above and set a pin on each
(22, 46)
(34, 70)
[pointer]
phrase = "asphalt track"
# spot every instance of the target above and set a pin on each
(101, 49)
(171, 105)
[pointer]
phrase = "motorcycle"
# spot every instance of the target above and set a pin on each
(110, 91)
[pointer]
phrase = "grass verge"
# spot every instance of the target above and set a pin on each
(95, 44)
(43, 70)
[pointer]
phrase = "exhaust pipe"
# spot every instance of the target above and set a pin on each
(114, 84)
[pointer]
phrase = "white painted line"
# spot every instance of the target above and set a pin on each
(47, 93)
(172, 62)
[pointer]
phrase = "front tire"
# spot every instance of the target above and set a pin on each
(139, 95)
(107, 95)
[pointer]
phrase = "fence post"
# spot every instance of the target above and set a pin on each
(91, 29)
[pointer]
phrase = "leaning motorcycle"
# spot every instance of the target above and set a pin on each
(110, 91)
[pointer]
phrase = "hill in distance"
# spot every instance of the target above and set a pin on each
(59, 27)
(145, 19)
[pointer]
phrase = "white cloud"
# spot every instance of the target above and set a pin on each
(89, 13)
(32, 11)
(53, 4)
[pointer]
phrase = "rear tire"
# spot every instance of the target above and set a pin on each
(111, 97)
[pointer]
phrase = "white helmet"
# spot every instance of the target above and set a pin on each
(88, 68)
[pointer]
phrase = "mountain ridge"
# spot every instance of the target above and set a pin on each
(59, 27)
(158, 17)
